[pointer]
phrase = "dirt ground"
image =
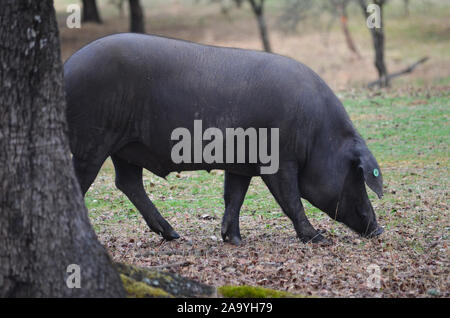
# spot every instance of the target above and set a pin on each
(411, 256)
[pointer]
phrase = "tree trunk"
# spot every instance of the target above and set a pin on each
(342, 8)
(90, 12)
(44, 225)
(120, 8)
(137, 24)
(378, 40)
(258, 10)
(378, 44)
(406, 7)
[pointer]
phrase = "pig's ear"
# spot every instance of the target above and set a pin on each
(371, 171)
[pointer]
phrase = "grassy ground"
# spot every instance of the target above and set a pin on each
(405, 127)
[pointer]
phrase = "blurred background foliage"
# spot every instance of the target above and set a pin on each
(330, 36)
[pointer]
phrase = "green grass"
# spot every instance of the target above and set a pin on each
(253, 292)
(404, 129)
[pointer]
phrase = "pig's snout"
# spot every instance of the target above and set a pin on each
(378, 231)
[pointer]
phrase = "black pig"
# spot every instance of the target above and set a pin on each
(126, 94)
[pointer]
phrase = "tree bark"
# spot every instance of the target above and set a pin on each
(44, 225)
(378, 43)
(137, 24)
(90, 12)
(341, 7)
(258, 10)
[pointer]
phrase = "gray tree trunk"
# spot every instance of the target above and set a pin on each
(137, 24)
(341, 8)
(406, 7)
(258, 10)
(90, 12)
(44, 225)
(378, 43)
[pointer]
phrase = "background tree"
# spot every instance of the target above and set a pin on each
(137, 23)
(257, 7)
(258, 10)
(295, 11)
(44, 225)
(378, 42)
(119, 4)
(340, 7)
(90, 12)
(406, 8)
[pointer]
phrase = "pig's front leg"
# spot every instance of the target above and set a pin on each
(284, 187)
(235, 188)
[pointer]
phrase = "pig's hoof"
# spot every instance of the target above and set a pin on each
(325, 242)
(232, 239)
(171, 235)
(235, 241)
(318, 239)
(230, 235)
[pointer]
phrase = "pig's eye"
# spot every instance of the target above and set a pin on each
(376, 173)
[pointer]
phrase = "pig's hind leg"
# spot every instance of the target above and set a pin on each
(235, 188)
(129, 181)
(86, 171)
